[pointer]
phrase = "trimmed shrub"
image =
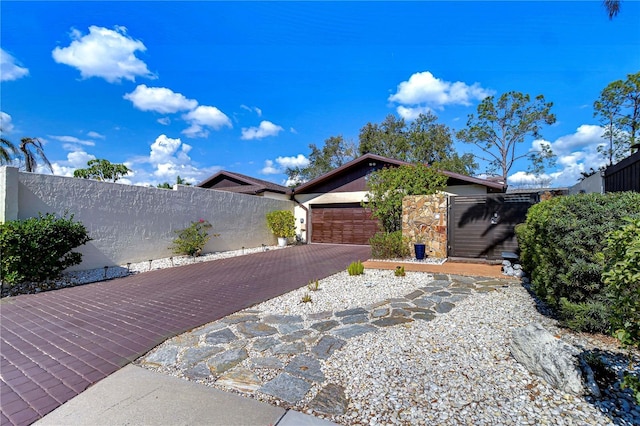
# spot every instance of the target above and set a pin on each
(282, 223)
(389, 245)
(559, 244)
(38, 249)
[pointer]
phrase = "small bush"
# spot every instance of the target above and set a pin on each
(389, 245)
(399, 272)
(39, 248)
(559, 245)
(282, 223)
(192, 239)
(356, 268)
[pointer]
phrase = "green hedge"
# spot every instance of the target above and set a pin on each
(560, 244)
(39, 248)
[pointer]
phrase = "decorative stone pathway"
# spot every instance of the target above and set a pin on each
(258, 354)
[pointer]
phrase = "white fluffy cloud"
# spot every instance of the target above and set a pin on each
(95, 135)
(167, 159)
(265, 129)
(105, 53)
(576, 152)
(6, 122)
(9, 68)
(283, 163)
(159, 99)
(423, 92)
(75, 160)
(204, 117)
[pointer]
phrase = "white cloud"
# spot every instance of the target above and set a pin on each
(298, 161)
(257, 110)
(75, 160)
(73, 140)
(159, 99)
(410, 114)
(265, 129)
(577, 152)
(203, 117)
(96, 135)
(9, 68)
(167, 159)
(105, 53)
(424, 89)
(165, 121)
(6, 122)
(283, 163)
(269, 168)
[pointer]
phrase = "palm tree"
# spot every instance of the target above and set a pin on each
(30, 163)
(7, 149)
(612, 7)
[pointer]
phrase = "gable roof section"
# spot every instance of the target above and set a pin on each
(308, 187)
(236, 182)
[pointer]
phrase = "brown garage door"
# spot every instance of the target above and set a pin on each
(342, 224)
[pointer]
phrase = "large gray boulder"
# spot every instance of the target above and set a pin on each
(557, 362)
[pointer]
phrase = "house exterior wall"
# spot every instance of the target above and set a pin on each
(308, 200)
(133, 223)
(592, 184)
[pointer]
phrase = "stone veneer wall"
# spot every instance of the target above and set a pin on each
(426, 215)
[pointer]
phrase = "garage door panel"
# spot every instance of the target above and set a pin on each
(342, 224)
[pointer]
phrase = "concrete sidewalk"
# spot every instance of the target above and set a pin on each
(136, 396)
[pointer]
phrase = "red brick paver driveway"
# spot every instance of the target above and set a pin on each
(54, 345)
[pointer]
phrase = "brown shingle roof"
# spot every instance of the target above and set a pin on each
(247, 184)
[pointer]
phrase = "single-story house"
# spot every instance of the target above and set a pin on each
(241, 184)
(328, 208)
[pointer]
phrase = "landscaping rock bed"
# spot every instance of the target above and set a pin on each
(379, 349)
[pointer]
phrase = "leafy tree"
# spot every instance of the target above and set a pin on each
(420, 141)
(503, 123)
(389, 139)
(618, 109)
(335, 152)
(27, 148)
(388, 186)
(102, 170)
(612, 7)
(179, 181)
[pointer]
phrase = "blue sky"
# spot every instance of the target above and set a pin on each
(191, 88)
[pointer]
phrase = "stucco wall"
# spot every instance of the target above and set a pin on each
(132, 223)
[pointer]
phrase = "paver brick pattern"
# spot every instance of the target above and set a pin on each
(54, 345)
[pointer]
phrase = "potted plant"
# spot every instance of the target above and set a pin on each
(419, 246)
(282, 224)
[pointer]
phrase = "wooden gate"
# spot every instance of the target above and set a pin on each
(483, 226)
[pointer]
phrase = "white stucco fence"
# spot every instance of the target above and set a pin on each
(133, 223)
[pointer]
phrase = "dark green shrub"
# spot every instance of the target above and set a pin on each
(389, 245)
(192, 239)
(622, 277)
(559, 245)
(39, 248)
